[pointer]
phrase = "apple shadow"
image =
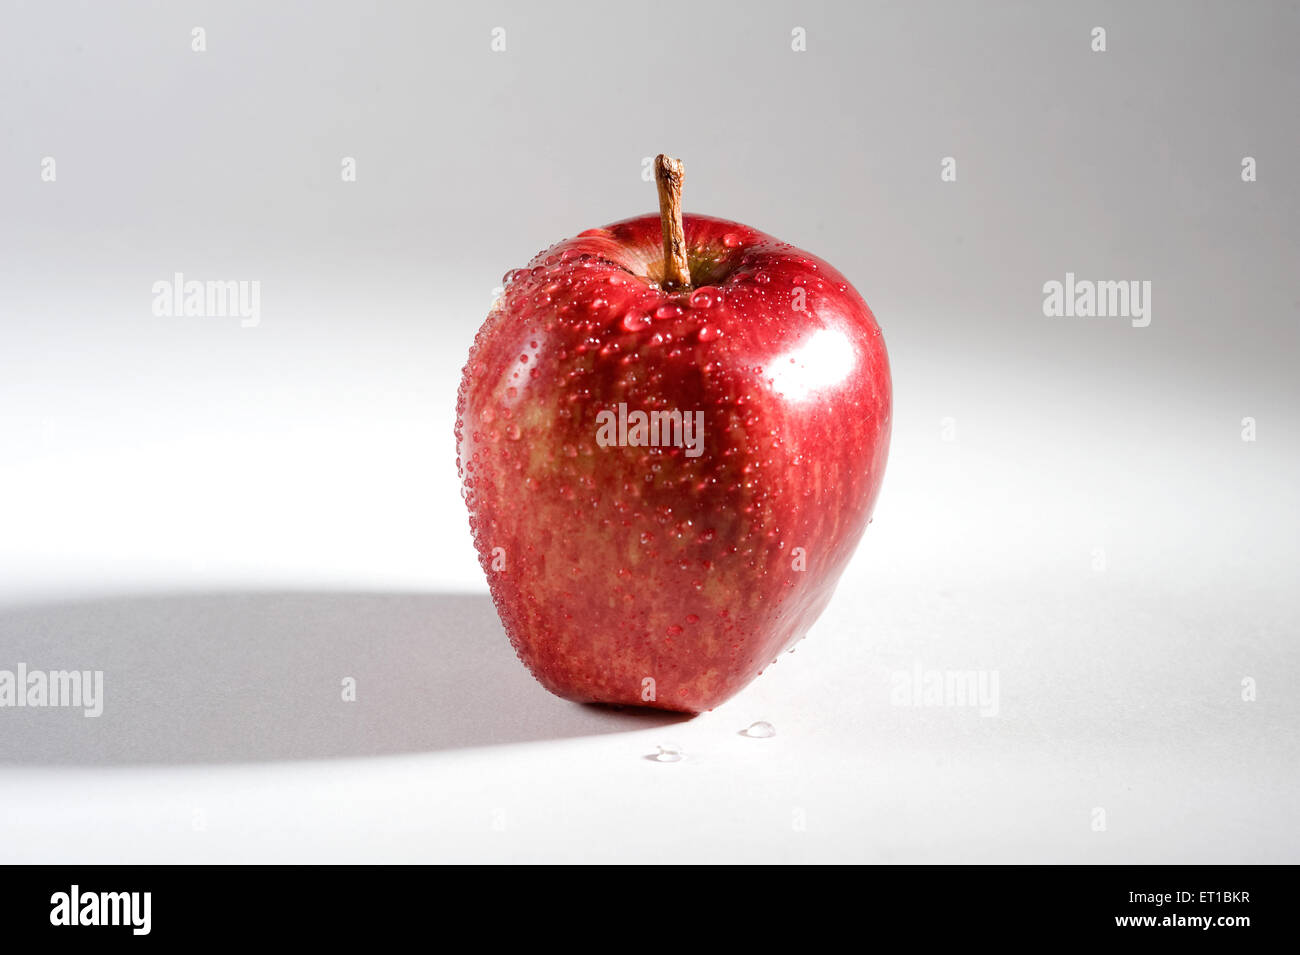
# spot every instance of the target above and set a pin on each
(238, 677)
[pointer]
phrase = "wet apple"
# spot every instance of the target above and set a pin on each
(671, 432)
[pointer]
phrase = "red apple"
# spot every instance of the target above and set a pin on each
(668, 566)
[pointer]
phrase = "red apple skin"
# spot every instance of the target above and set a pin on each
(612, 567)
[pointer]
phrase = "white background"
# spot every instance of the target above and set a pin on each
(228, 521)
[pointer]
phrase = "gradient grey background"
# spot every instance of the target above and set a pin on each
(227, 519)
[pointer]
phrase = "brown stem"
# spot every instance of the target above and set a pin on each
(669, 174)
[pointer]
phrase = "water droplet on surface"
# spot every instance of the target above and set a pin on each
(731, 240)
(669, 753)
(692, 618)
(709, 334)
(513, 432)
(760, 730)
(665, 312)
(674, 630)
(762, 278)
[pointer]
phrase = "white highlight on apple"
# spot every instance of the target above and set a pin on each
(824, 360)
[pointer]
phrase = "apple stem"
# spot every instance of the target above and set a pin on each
(669, 174)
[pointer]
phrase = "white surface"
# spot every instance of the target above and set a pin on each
(224, 738)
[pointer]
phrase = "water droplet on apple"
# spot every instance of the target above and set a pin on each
(762, 278)
(665, 312)
(692, 618)
(669, 753)
(760, 730)
(709, 333)
(731, 240)
(703, 297)
(635, 321)
(674, 630)
(513, 432)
